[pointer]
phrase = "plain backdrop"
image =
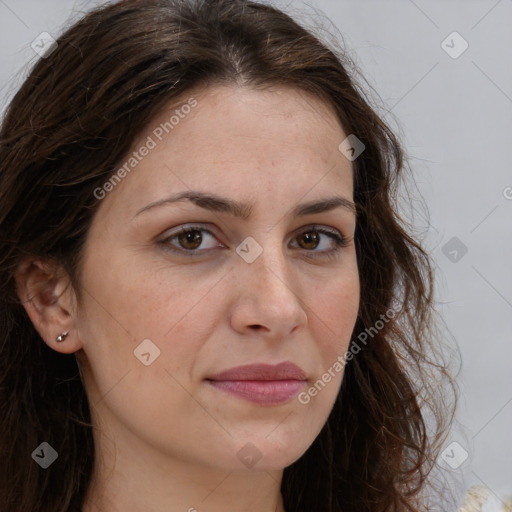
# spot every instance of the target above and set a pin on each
(449, 98)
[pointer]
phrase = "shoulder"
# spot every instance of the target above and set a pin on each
(479, 498)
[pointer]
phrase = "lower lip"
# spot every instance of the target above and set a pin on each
(265, 392)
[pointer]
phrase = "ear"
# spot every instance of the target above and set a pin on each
(49, 300)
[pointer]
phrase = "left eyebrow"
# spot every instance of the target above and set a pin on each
(217, 203)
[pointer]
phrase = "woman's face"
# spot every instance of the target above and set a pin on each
(163, 313)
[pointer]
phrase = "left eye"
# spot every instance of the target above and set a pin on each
(312, 238)
(191, 238)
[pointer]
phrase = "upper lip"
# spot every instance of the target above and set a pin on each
(262, 371)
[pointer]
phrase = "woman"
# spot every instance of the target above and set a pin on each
(209, 301)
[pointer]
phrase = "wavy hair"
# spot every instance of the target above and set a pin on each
(64, 133)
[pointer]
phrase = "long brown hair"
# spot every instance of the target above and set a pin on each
(64, 133)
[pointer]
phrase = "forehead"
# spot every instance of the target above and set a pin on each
(238, 139)
(272, 117)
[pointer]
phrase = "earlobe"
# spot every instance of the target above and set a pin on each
(46, 294)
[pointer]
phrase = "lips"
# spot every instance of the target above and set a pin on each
(282, 371)
(263, 384)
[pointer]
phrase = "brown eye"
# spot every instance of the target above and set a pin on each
(190, 239)
(193, 241)
(321, 242)
(310, 239)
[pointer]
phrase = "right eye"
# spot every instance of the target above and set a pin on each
(188, 240)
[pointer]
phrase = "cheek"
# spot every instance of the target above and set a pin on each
(334, 315)
(332, 327)
(145, 297)
(125, 306)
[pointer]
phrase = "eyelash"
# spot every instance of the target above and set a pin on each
(339, 241)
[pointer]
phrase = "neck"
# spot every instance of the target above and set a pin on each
(137, 478)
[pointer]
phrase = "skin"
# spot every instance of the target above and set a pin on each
(165, 439)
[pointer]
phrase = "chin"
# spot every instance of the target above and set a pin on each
(269, 451)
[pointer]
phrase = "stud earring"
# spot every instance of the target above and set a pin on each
(62, 337)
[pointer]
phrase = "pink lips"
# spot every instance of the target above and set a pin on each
(263, 384)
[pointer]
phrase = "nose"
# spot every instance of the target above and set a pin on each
(268, 295)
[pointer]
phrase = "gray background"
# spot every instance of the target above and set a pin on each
(454, 116)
